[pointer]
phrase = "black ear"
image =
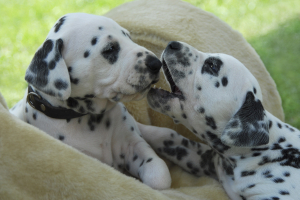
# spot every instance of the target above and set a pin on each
(48, 71)
(249, 127)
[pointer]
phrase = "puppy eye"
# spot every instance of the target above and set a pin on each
(109, 48)
(214, 68)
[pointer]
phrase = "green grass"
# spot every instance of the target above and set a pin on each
(271, 27)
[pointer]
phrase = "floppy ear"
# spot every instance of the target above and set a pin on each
(48, 71)
(249, 127)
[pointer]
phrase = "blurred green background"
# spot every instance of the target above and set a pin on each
(272, 27)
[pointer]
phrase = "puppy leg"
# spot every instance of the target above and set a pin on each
(194, 157)
(133, 154)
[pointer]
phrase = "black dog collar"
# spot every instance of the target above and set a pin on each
(42, 105)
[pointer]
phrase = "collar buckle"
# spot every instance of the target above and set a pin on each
(30, 98)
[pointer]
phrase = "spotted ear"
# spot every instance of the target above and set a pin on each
(48, 71)
(249, 127)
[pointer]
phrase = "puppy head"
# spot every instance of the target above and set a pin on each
(92, 56)
(211, 94)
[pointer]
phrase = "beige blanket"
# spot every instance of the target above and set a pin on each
(35, 166)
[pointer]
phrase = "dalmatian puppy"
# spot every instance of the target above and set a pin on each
(252, 153)
(77, 78)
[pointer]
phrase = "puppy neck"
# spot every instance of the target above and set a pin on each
(83, 105)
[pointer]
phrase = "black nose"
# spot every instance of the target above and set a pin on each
(153, 64)
(175, 45)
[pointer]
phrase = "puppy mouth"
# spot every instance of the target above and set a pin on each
(132, 96)
(174, 88)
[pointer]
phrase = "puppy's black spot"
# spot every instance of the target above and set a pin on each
(181, 107)
(111, 52)
(279, 125)
(131, 128)
(211, 122)
(212, 66)
(281, 139)
(142, 163)
(134, 158)
(100, 28)
(127, 167)
(267, 174)
(216, 142)
(275, 198)
(26, 109)
(74, 80)
(168, 143)
(61, 137)
(149, 160)
(70, 69)
(59, 24)
(94, 40)
(52, 64)
(60, 84)
(276, 146)
(260, 149)
(185, 142)
(122, 156)
(270, 124)
(243, 198)
(199, 88)
(123, 33)
(256, 154)
(184, 116)
(284, 192)
(139, 54)
(128, 36)
(89, 104)
(224, 81)
(167, 108)
(286, 174)
(107, 124)
(207, 163)
(201, 110)
(81, 109)
(86, 54)
(217, 84)
(254, 90)
(179, 152)
(89, 96)
(72, 102)
(68, 120)
(247, 173)
(189, 165)
(34, 116)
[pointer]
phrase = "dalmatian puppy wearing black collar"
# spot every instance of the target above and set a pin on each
(252, 153)
(77, 78)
